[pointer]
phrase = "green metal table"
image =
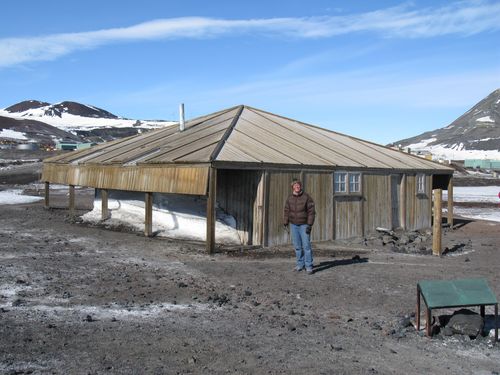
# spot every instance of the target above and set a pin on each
(441, 294)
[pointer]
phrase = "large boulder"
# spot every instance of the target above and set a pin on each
(464, 322)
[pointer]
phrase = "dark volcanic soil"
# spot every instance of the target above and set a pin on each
(83, 300)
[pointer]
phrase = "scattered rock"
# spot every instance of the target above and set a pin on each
(89, 318)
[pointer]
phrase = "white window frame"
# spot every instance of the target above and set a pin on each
(354, 182)
(345, 183)
(421, 183)
(340, 182)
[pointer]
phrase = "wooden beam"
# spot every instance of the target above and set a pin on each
(265, 210)
(331, 229)
(47, 194)
(211, 218)
(450, 203)
(436, 232)
(104, 204)
(72, 200)
(148, 220)
(402, 202)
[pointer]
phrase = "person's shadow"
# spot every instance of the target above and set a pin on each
(341, 262)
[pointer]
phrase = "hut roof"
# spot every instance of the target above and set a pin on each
(247, 135)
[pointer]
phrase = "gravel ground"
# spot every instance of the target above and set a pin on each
(76, 299)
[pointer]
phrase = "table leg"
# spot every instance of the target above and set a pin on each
(418, 309)
(428, 322)
(481, 309)
(496, 322)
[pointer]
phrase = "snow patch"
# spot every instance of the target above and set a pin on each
(12, 134)
(479, 194)
(485, 119)
(422, 143)
(15, 197)
(174, 216)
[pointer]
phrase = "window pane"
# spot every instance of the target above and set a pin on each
(420, 184)
(340, 182)
(354, 182)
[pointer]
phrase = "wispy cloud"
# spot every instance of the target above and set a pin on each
(468, 18)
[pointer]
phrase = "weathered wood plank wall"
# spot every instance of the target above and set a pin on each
(319, 185)
(377, 202)
(418, 206)
(159, 179)
(348, 217)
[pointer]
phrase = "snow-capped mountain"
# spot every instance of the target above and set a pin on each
(84, 121)
(474, 135)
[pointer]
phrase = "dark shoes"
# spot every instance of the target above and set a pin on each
(309, 271)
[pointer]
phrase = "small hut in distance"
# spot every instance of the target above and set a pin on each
(244, 158)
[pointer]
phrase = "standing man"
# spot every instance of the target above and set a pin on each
(299, 212)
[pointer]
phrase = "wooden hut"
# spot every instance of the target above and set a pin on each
(244, 158)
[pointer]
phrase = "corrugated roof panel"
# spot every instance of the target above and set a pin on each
(380, 158)
(307, 146)
(177, 140)
(182, 151)
(281, 145)
(352, 157)
(116, 147)
(231, 153)
(258, 150)
(202, 155)
(382, 154)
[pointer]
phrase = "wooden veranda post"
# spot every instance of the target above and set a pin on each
(72, 200)
(148, 220)
(436, 232)
(47, 194)
(104, 204)
(450, 203)
(212, 187)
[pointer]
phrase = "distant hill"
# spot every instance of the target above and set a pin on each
(39, 109)
(68, 120)
(475, 134)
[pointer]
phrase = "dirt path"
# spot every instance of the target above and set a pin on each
(82, 300)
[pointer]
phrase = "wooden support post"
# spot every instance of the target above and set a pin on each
(148, 219)
(104, 204)
(47, 194)
(450, 203)
(211, 218)
(72, 200)
(436, 232)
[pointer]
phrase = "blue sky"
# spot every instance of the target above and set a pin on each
(378, 70)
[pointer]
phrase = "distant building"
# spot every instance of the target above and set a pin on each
(28, 146)
(482, 164)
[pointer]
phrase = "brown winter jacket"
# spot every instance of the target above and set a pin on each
(299, 209)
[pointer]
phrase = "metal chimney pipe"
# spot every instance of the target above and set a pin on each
(181, 117)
